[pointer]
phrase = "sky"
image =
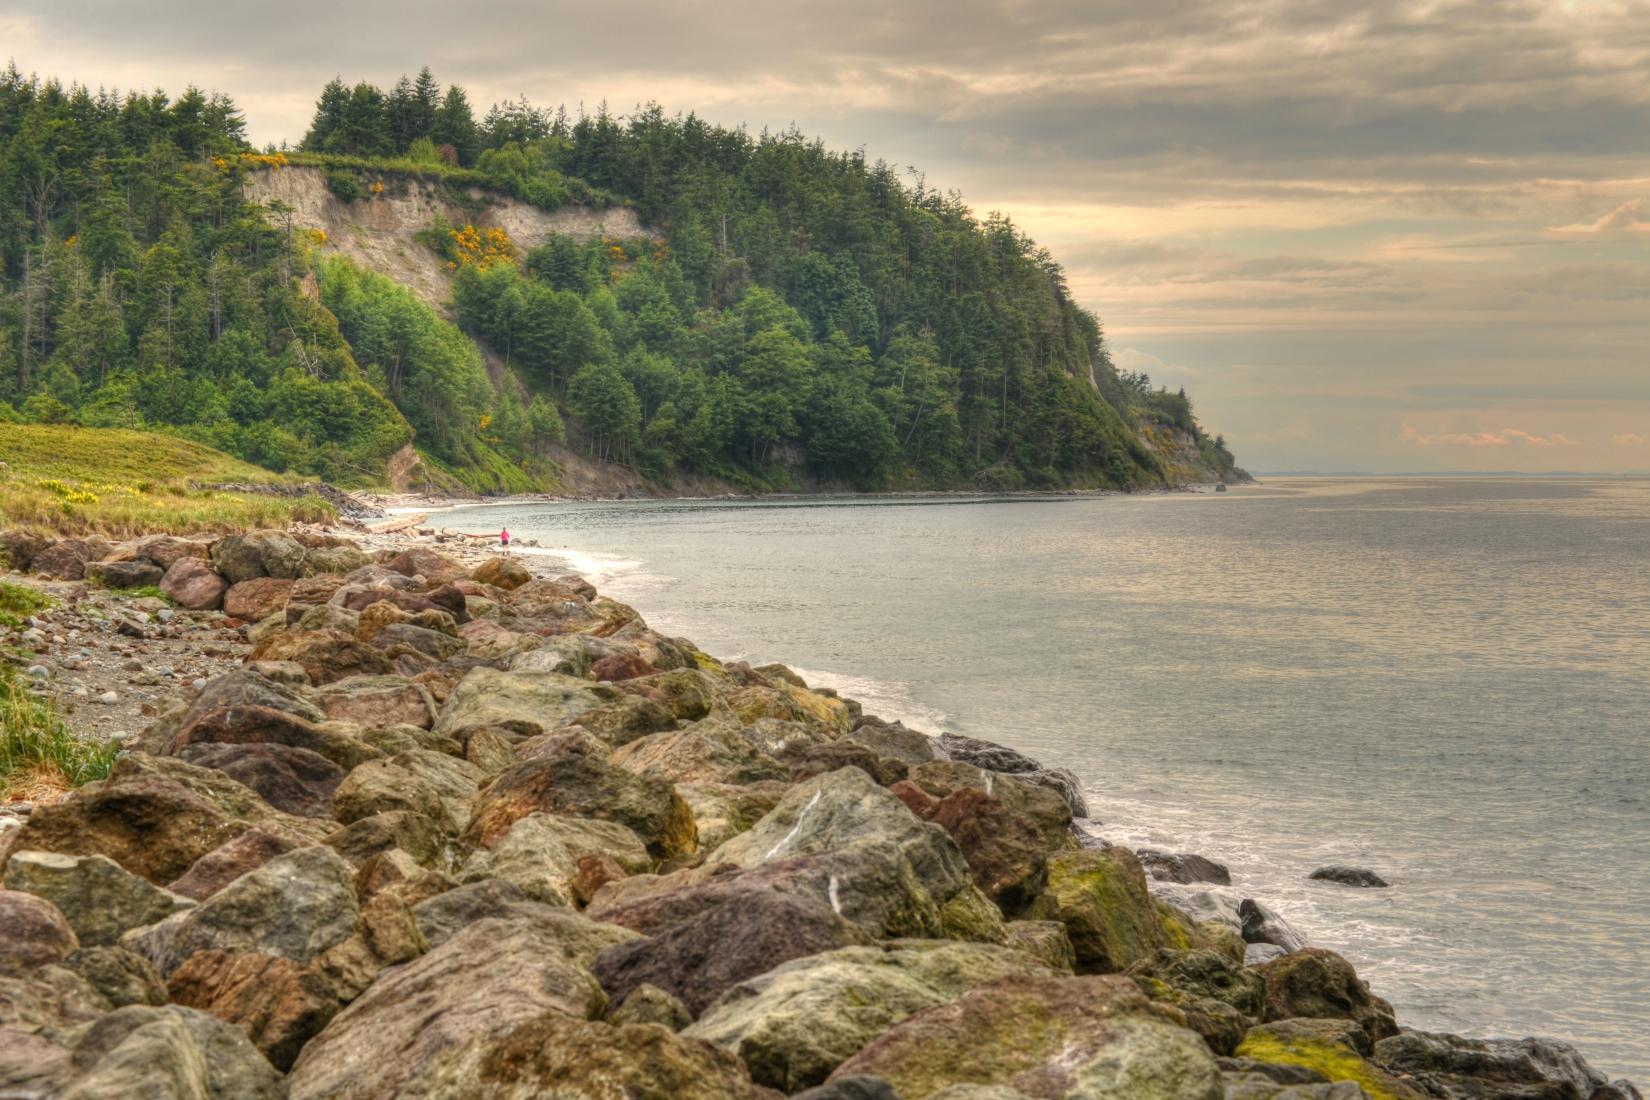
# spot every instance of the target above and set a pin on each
(1370, 236)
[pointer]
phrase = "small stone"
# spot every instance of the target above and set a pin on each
(38, 672)
(108, 698)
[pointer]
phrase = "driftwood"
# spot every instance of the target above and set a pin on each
(400, 523)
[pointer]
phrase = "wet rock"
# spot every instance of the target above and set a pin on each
(1182, 867)
(1047, 1038)
(123, 574)
(99, 899)
(1255, 954)
(1349, 876)
(1483, 1069)
(1101, 898)
(256, 599)
(423, 1028)
(170, 1051)
(988, 755)
(505, 573)
(542, 855)
(37, 934)
(722, 935)
(1318, 984)
(295, 780)
(192, 585)
(311, 889)
(524, 704)
(794, 1024)
(1336, 1048)
(573, 777)
(1261, 924)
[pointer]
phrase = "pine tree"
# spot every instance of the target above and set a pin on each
(455, 125)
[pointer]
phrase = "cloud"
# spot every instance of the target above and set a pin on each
(1629, 439)
(1506, 437)
(1632, 216)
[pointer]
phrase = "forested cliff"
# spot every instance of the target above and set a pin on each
(703, 302)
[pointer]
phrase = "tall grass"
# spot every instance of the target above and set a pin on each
(38, 754)
(72, 480)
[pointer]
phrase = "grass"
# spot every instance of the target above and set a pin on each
(18, 603)
(71, 480)
(39, 757)
(142, 591)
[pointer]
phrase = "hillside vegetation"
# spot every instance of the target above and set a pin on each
(793, 317)
(75, 480)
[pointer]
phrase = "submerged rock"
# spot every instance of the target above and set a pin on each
(1479, 1069)
(1182, 867)
(1349, 876)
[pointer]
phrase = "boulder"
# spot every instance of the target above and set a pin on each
(333, 560)
(253, 725)
(1483, 1069)
(542, 855)
(229, 861)
(37, 934)
(246, 557)
(256, 599)
(577, 939)
(323, 616)
(624, 720)
(894, 741)
(721, 811)
(722, 934)
(1101, 898)
(397, 874)
(987, 755)
(64, 560)
(382, 786)
(98, 898)
(423, 1029)
(170, 1051)
(424, 838)
(1201, 905)
(876, 1088)
(648, 1004)
(701, 753)
(295, 906)
(432, 565)
(278, 1003)
(1350, 876)
(247, 687)
(402, 637)
(124, 574)
(523, 704)
(1004, 848)
(192, 585)
(18, 547)
(1261, 924)
(688, 693)
(1182, 867)
(1049, 1039)
(294, 780)
(120, 976)
(378, 701)
(1047, 808)
(1044, 940)
(1218, 996)
(620, 666)
(808, 759)
(572, 777)
(794, 1024)
(1319, 984)
(167, 550)
(506, 573)
(1338, 1050)
(326, 655)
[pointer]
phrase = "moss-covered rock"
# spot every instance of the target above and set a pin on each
(1320, 984)
(1335, 1048)
(1050, 1038)
(1101, 898)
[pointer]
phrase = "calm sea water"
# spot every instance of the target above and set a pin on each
(1445, 680)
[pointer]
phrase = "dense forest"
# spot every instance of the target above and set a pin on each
(799, 316)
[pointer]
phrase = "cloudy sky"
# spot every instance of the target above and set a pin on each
(1365, 236)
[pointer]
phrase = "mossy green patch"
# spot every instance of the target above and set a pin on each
(1101, 898)
(1335, 1061)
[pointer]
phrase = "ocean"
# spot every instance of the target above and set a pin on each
(1446, 680)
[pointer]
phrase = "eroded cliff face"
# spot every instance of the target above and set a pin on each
(1184, 463)
(379, 231)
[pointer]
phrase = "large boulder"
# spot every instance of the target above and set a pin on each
(254, 725)
(1319, 984)
(1483, 1069)
(701, 753)
(378, 701)
(714, 936)
(167, 550)
(1047, 808)
(295, 780)
(721, 811)
(1219, 996)
(172, 1051)
(382, 786)
(1086, 1038)
(542, 854)
(98, 898)
(1350, 876)
(247, 557)
(432, 565)
(576, 938)
(1263, 925)
(505, 573)
(325, 655)
(1004, 848)
(256, 599)
(522, 704)
(64, 560)
(573, 777)
(1182, 867)
(234, 858)
(1101, 898)
(37, 934)
(295, 906)
(423, 1029)
(192, 585)
(796, 1023)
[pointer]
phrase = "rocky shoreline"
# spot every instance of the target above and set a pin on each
(400, 819)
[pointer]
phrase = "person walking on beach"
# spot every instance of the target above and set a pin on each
(504, 538)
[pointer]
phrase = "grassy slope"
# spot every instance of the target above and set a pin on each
(75, 480)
